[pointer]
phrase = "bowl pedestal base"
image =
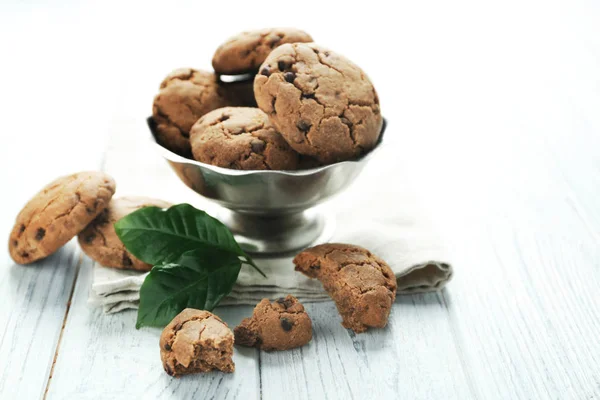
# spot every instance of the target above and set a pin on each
(278, 235)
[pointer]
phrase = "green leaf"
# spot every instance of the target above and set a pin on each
(158, 236)
(198, 279)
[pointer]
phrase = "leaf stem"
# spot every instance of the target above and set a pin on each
(250, 262)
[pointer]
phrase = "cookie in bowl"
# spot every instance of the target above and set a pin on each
(185, 95)
(323, 104)
(245, 52)
(241, 138)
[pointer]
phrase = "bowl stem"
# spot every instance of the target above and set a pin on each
(278, 235)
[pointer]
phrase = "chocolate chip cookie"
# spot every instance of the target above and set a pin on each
(185, 95)
(280, 325)
(323, 104)
(100, 241)
(57, 213)
(196, 341)
(246, 51)
(240, 138)
(362, 285)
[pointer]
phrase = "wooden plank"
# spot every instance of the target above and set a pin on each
(411, 357)
(524, 312)
(34, 302)
(51, 127)
(104, 355)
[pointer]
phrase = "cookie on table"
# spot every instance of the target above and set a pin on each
(185, 95)
(58, 213)
(279, 325)
(245, 52)
(323, 104)
(196, 341)
(362, 285)
(100, 241)
(241, 138)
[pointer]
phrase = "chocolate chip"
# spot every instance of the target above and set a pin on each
(266, 71)
(286, 324)
(289, 76)
(282, 65)
(303, 125)
(257, 146)
(15, 243)
(284, 302)
(126, 260)
(25, 254)
(22, 228)
(168, 370)
(274, 41)
(167, 347)
(102, 219)
(92, 209)
(315, 266)
(39, 235)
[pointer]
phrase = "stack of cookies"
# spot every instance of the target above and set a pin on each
(287, 104)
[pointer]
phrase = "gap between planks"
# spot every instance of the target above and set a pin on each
(62, 328)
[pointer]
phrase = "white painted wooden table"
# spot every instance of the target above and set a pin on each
(494, 116)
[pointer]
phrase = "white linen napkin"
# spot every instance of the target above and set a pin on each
(405, 242)
(380, 212)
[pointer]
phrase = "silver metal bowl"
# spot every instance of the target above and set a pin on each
(270, 212)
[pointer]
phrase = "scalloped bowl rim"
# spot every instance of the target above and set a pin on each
(169, 155)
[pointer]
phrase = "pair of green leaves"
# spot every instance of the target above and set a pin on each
(196, 260)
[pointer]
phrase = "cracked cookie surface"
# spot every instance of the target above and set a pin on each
(241, 138)
(57, 213)
(362, 285)
(279, 325)
(245, 52)
(196, 341)
(100, 241)
(323, 104)
(185, 95)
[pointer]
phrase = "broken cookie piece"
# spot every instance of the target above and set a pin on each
(279, 325)
(362, 285)
(196, 341)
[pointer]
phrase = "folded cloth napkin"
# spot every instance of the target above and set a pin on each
(405, 242)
